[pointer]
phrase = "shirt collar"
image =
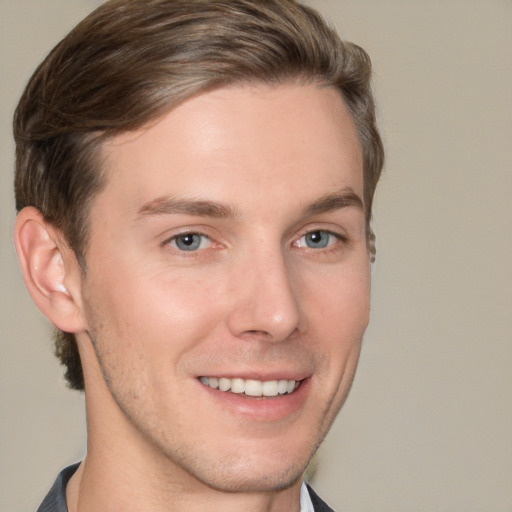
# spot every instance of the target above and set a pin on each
(306, 505)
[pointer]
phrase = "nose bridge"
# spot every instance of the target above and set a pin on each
(266, 303)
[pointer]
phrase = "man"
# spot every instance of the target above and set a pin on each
(194, 184)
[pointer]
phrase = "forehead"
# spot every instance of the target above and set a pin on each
(238, 144)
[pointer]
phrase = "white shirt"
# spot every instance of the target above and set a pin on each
(306, 505)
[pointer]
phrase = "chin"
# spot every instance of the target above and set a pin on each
(261, 472)
(257, 479)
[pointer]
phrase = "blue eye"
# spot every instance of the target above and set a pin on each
(317, 239)
(190, 241)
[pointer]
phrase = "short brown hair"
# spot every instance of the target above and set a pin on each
(131, 61)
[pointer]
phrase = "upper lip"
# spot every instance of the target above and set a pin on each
(262, 376)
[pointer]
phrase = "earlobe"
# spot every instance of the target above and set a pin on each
(50, 270)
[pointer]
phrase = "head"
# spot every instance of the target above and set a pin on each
(129, 64)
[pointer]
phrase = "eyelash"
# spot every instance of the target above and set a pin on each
(173, 241)
(333, 246)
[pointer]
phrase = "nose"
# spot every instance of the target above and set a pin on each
(266, 303)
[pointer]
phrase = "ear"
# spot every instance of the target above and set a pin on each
(50, 270)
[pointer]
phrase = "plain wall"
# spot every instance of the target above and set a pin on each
(428, 425)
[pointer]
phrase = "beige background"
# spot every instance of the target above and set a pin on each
(428, 426)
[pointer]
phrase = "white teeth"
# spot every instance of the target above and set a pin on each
(237, 385)
(282, 387)
(251, 387)
(270, 388)
(224, 384)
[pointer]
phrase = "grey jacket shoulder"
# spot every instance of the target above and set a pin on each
(318, 503)
(55, 500)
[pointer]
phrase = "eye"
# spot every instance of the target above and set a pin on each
(190, 242)
(317, 239)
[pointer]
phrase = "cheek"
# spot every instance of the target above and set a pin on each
(339, 315)
(156, 317)
(339, 303)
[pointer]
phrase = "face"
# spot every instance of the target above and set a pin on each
(227, 286)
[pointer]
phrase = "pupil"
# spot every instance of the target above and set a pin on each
(189, 242)
(317, 239)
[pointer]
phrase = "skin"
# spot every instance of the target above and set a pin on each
(256, 299)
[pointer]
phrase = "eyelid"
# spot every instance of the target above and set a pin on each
(184, 232)
(337, 236)
(219, 240)
(331, 229)
(337, 232)
(174, 241)
(184, 229)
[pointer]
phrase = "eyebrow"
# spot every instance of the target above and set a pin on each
(204, 208)
(336, 201)
(200, 208)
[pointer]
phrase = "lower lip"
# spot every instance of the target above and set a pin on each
(261, 408)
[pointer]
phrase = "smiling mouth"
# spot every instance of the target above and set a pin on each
(250, 387)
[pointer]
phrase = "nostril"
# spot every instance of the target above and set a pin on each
(267, 336)
(257, 333)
